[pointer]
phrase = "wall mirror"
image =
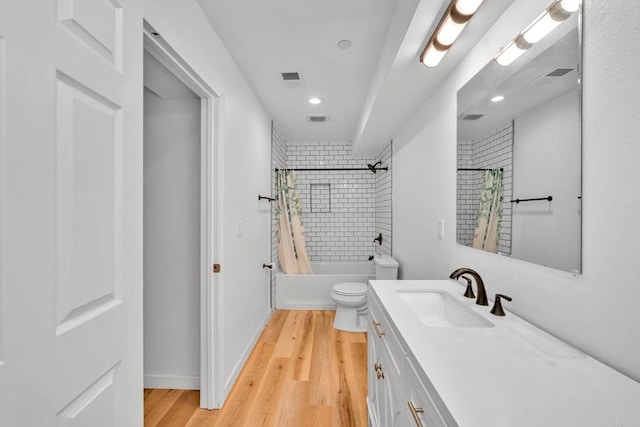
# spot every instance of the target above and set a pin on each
(519, 154)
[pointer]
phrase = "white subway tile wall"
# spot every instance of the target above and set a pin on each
(345, 233)
(320, 198)
(383, 202)
(467, 197)
(492, 151)
(342, 211)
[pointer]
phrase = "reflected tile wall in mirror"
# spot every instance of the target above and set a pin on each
(535, 135)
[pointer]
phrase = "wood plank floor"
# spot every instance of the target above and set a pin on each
(302, 372)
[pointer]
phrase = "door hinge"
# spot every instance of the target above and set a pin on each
(216, 268)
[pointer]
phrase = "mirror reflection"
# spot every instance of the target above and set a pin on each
(519, 154)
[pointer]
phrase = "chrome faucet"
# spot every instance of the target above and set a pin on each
(482, 293)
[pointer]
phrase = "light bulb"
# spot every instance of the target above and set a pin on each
(509, 54)
(315, 100)
(468, 7)
(570, 5)
(497, 98)
(449, 31)
(543, 26)
(433, 56)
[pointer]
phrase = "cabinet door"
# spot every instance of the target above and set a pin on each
(386, 362)
(373, 381)
(419, 405)
(397, 408)
(384, 388)
(382, 382)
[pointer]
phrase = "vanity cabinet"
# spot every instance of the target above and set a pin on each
(497, 372)
(384, 387)
(396, 396)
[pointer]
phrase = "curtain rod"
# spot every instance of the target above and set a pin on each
(481, 169)
(549, 198)
(333, 169)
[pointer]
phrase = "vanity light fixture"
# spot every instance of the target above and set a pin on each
(554, 15)
(451, 25)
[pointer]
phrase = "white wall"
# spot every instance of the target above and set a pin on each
(171, 242)
(547, 162)
(245, 152)
(599, 310)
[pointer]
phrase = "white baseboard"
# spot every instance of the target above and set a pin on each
(307, 306)
(172, 381)
(236, 370)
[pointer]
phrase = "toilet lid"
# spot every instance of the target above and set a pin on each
(350, 288)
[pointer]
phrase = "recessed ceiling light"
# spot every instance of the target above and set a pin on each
(315, 100)
(497, 98)
(344, 44)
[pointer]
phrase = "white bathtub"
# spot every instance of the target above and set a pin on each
(313, 291)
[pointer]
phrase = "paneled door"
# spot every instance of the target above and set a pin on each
(71, 213)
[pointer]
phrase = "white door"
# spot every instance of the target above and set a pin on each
(70, 218)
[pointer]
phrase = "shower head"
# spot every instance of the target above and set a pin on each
(372, 167)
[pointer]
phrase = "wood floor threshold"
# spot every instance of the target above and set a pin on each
(301, 373)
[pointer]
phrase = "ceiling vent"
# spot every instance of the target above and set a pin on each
(318, 119)
(290, 76)
(551, 76)
(559, 72)
(292, 80)
(472, 116)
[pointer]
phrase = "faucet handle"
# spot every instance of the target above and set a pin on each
(469, 292)
(497, 305)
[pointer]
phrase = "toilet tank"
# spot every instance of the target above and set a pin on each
(386, 267)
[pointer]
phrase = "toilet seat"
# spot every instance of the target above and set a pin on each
(350, 288)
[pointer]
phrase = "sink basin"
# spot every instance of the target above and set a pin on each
(439, 309)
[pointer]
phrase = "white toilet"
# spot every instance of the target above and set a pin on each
(351, 297)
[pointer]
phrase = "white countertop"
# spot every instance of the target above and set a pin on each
(509, 375)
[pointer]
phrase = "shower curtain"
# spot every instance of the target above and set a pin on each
(487, 232)
(292, 246)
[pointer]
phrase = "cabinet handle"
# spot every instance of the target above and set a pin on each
(376, 326)
(377, 366)
(415, 411)
(380, 374)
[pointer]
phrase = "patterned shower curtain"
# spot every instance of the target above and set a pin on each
(487, 232)
(292, 246)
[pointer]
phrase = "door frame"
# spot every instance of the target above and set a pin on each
(210, 211)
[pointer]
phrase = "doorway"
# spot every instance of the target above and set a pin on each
(180, 224)
(171, 230)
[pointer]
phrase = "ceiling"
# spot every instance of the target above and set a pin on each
(525, 84)
(368, 90)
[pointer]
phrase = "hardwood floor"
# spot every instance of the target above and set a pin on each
(302, 372)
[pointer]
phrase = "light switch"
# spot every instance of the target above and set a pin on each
(239, 228)
(441, 229)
